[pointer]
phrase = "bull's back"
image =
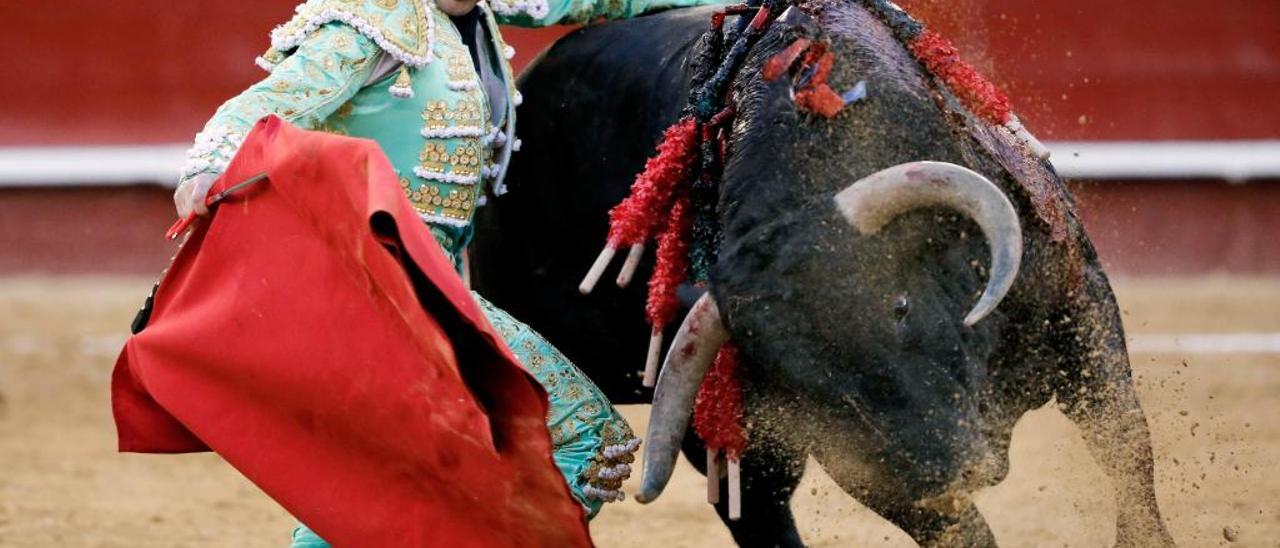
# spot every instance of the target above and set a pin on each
(595, 106)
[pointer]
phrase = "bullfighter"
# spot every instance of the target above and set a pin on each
(431, 82)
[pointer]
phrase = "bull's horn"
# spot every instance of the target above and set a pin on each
(871, 203)
(694, 348)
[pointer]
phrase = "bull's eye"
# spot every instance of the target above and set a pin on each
(901, 306)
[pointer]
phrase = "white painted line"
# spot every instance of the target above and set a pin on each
(1233, 161)
(91, 165)
(1206, 343)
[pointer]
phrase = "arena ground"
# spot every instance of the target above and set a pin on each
(1212, 407)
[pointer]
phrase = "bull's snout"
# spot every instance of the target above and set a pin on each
(958, 466)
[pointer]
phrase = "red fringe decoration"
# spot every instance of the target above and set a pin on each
(940, 56)
(673, 265)
(633, 221)
(717, 415)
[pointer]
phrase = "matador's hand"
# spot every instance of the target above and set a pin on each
(191, 194)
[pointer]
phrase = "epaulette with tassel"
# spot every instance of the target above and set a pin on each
(404, 29)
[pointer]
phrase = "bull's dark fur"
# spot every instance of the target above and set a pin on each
(854, 347)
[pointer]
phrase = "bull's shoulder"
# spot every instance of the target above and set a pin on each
(638, 63)
(598, 100)
(644, 43)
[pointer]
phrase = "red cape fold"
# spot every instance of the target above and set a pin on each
(313, 334)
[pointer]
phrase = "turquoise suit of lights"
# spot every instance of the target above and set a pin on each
(399, 73)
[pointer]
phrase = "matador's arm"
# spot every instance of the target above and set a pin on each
(325, 71)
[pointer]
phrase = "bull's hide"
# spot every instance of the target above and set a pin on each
(313, 335)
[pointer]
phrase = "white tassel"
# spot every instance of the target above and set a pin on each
(492, 137)
(621, 471)
(403, 86)
(401, 92)
(613, 452)
(606, 495)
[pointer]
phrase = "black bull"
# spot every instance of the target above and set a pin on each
(853, 344)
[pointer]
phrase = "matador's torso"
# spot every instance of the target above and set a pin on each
(437, 94)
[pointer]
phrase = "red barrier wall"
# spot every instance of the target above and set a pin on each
(141, 71)
(152, 71)
(1118, 70)
(89, 71)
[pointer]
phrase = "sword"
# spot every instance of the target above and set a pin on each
(181, 226)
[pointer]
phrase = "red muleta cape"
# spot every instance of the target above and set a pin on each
(312, 333)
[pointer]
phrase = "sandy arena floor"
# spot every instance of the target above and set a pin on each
(1213, 420)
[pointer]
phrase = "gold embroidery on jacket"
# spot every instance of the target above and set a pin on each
(460, 69)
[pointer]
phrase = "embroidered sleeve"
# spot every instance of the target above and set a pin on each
(540, 13)
(306, 87)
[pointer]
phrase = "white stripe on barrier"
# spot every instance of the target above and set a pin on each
(91, 165)
(1206, 343)
(1234, 161)
(159, 164)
